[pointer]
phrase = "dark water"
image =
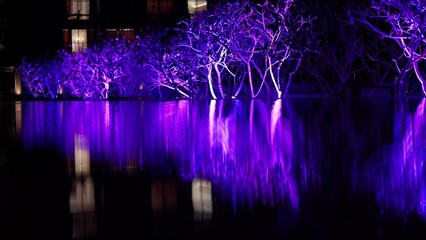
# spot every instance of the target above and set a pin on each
(286, 169)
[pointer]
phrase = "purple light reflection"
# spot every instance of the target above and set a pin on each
(401, 179)
(245, 148)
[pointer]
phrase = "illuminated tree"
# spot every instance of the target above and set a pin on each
(112, 68)
(204, 44)
(215, 54)
(249, 46)
(80, 76)
(403, 21)
(122, 72)
(289, 34)
(167, 66)
(42, 78)
(266, 40)
(109, 68)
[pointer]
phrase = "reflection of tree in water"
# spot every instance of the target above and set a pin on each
(245, 148)
(251, 152)
(268, 152)
(335, 136)
(400, 180)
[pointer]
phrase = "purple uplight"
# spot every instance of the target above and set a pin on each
(246, 154)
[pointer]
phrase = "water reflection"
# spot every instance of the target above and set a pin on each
(313, 161)
(202, 199)
(82, 208)
(163, 196)
(399, 175)
(82, 195)
(243, 148)
(250, 152)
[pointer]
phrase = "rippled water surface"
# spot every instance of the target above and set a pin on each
(292, 168)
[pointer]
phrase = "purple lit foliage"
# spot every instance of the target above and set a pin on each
(204, 44)
(289, 35)
(42, 78)
(112, 68)
(258, 41)
(167, 71)
(403, 22)
(213, 55)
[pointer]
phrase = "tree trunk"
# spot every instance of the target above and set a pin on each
(219, 81)
(210, 80)
(271, 72)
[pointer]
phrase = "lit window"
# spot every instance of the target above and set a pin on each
(78, 9)
(111, 33)
(196, 6)
(158, 7)
(78, 39)
(128, 33)
(67, 38)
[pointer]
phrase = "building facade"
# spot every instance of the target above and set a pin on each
(33, 28)
(89, 20)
